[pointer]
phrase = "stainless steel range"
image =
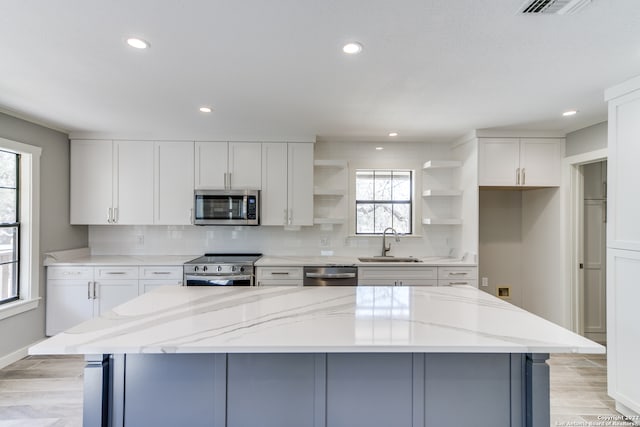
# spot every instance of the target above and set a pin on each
(221, 270)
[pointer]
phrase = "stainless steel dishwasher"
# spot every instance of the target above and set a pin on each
(338, 275)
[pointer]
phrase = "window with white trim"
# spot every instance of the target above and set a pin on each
(19, 227)
(9, 226)
(384, 198)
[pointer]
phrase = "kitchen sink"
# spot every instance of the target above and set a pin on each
(389, 259)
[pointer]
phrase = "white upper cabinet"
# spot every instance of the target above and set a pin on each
(287, 184)
(174, 183)
(519, 162)
(229, 165)
(133, 185)
(91, 182)
(111, 182)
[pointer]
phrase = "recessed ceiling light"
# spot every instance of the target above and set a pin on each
(393, 133)
(352, 48)
(137, 43)
(570, 113)
(205, 109)
(379, 148)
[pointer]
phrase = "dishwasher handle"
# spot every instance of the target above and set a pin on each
(331, 275)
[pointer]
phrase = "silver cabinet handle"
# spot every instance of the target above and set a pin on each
(457, 273)
(109, 220)
(161, 272)
(518, 176)
(277, 273)
(229, 180)
(458, 283)
(116, 272)
(88, 290)
(523, 176)
(95, 295)
(290, 216)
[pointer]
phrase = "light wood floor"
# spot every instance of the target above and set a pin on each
(47, 391)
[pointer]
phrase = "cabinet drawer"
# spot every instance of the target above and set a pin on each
(283, 282)
(282, 273)
(160, 272)
(393, 274)
(116, 273)
(458, 282)
(454, 273)
(71, 273)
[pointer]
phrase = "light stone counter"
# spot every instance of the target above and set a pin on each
(316, 320)
(83, 257)
(294, 261)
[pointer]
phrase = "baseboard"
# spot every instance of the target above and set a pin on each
(13, 357)
(633, 416)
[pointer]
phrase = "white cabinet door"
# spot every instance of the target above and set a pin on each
(91, 178)
(498, 161)
(245, 165)
(300, 183)
(540, 161)
(68, 304)
(110, 293)
(623, 334)
(273, 197)
(174, 183)
(133, 182)
(211, 164)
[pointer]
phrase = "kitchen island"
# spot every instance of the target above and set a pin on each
(296, 356)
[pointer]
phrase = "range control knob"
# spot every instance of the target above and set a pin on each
(242, 269)
(196, 268)
(204, 268)
(233, 268)
(219, 268)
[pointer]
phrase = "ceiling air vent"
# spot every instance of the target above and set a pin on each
(553, 7)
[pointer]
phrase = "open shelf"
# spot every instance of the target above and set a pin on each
(328, 220)
(340, 164)
(436, 193)
(329, 192)
(441, 164)
(441, 221)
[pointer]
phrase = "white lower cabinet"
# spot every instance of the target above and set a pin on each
(78, 293)
(412, 275)
(279, 276)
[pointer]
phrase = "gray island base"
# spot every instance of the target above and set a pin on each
(317, 389)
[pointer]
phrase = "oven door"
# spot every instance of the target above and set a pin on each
(214, 280)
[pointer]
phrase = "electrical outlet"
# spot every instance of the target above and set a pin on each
(485, 282)
(140, 239)
(324, 242)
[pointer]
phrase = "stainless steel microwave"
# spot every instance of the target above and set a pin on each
(226, 207)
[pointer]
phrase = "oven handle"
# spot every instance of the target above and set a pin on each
(331, 276)
(214, 277)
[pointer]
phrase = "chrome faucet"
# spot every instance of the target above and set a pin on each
(386, 248)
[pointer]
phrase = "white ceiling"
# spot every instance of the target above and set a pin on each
(431, 70)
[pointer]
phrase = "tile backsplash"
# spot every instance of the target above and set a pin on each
(187, 240)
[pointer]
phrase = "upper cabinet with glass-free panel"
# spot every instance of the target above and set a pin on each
(228, 165)
(384, 198)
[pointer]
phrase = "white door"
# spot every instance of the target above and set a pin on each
(68, 304)
(273, 197)
(498, 161)
(133, 184)
(300, 183)
(540, 161)
(594, 270)
(145, 286)
(111, 293)
(245, 165)
(91, 178)
(211, 164)
(174, 183)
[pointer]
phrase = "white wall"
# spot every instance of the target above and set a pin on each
(187, 240)
(588, 139)
(24, 329)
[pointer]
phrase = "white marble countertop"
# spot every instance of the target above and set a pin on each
(83, 257)
(458, 319)
(295, 261)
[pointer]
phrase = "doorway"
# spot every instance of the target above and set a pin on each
(594, 250)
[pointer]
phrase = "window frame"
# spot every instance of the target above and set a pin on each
(29, 243)
(410, 202)
(15, 225)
